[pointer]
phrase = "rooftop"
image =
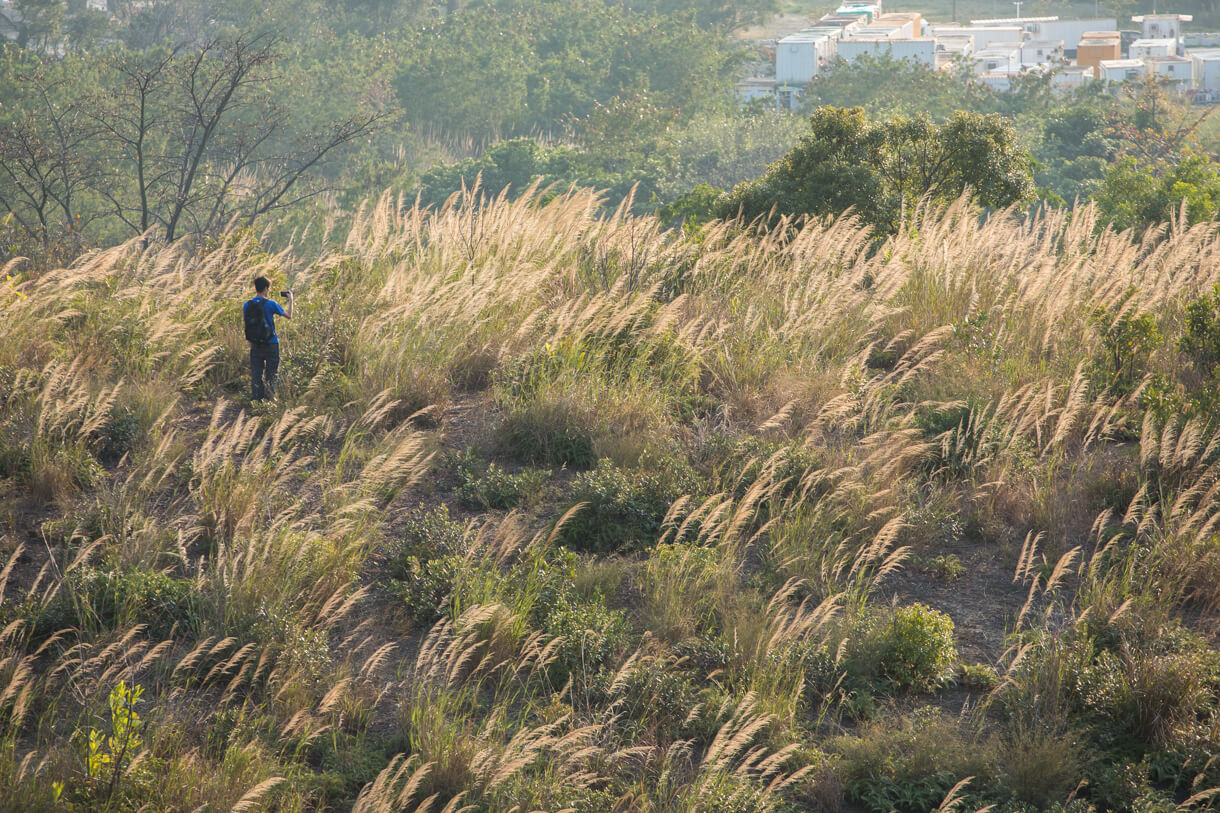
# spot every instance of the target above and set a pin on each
(1014, 21)
(808, 35)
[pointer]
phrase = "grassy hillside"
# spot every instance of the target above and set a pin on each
(557, 511)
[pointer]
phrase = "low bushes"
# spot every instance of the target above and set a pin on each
(908, 647)
(623, 507)
(481, 486)
(98, 599)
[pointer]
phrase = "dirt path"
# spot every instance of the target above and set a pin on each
(983, 602)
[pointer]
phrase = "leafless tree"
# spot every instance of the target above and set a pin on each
(44, 162)
(203, 141)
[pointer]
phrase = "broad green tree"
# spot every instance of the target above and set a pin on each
(882, 168)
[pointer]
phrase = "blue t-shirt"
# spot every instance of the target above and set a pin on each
(272, 309)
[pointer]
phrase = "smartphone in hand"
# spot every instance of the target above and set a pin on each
(285, 294)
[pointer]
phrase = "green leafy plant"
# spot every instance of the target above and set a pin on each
(109, 757)
(1201, 338)
(978, 676)
(592, 634)
(623, 508)
(946, 567)
(481, 487)
(1127, 340)
(909, 647)
(424, 585)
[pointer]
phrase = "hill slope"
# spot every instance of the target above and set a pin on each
(559, 511)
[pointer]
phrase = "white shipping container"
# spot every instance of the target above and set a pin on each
(996, 59)
(922, 51)
(799, 57)
(1148, 48)
(985, 37)
(1071, 76)
(1040, 52)
(1178, 70)
(1207, 72)
(1071, 31)
(1120, 70)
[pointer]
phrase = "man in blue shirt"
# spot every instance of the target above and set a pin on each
(259, 314)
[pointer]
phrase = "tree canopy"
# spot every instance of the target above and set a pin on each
(880, 168)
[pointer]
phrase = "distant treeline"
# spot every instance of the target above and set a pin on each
(179, 117)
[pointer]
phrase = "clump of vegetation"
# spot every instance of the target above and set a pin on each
(946, 567)
(911, 647)
(622, 508)
(489, 486)
(1127, 340)
(914, 764)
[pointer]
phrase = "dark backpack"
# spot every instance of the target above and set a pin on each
(254, 316)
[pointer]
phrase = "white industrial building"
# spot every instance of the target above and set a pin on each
(985, 37)
(922, 51)
(1162, 26)
(1177, 71)
(800, 56)
(1121, 70)
(997, 59)
(751, 90)
(1051, 29)
(1206, 73)
(955, 42)
(1041, 52)
(1068, 77)
(1148, 48)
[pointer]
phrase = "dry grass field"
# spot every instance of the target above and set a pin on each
(561, 511)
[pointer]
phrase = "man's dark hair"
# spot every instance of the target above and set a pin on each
(261, 284)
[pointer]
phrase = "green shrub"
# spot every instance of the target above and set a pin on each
(1146, 697)
(106, 599)
(1127, 341)
(16, 461)
(482, 487)
(593, 634)
(117, 437)
(978, 676)
(659, 697)
(343, 763)
(918, 650)
(114, 769)
(735, 462)
(546, 433)
(706, 653)
(947, 568)
(424, 585)
(909, 647)
(910, 766)
(424, 534)
(1042, 768)
(1201, 338)
(623, 508)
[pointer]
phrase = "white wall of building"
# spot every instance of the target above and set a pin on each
(922, 51)
(1121, 70)
(798, 58)
(1206, 72)
(1149, 48)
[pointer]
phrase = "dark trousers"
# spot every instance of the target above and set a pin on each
(264, 366)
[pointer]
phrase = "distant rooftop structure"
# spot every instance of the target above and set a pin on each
(1013, 21)
(1157, 26)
